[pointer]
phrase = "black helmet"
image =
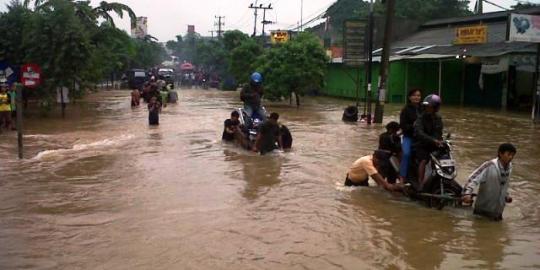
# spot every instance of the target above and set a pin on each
(433, 101)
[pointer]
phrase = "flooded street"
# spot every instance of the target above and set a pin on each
(103, 190)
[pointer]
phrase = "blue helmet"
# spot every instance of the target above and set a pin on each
(256, 77)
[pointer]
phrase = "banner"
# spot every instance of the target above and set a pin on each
(141, 28)
(471, 35)
(524, 28)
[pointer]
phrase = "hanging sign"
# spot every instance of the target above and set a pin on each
(31, 75)
(279, 37)
(471, 35)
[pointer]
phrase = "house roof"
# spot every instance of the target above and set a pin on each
(500, 16)
(437, 37)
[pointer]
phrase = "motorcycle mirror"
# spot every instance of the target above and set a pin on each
(448, 136)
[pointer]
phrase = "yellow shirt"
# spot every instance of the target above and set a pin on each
(4, 103)
(362, 169)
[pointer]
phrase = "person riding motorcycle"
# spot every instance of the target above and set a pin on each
(429, 133)
(252, 94)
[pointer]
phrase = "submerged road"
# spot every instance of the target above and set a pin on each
(102, 190)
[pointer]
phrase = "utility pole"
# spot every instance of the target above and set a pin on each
(479, 7)
(369, 63)
(219, 24)
(264, 21)
(385, 61)
(211, 33)
(254, 6)
(301, 15)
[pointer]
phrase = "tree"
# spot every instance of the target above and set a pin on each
(419, 10)
(233, 39)
(211, 56)
(14, 22)
(243, 59)
(295, 67)
(520, 6)
(105, 7)
(57, 40)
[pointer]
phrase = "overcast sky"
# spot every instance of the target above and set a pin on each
(168, 18)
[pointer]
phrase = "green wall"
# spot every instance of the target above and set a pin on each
(403, 76)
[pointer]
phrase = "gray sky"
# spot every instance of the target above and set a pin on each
(168, 18)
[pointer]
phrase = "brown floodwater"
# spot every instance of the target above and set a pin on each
(101, 189)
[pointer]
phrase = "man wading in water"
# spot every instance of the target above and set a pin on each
(368, 166)
(268, 136)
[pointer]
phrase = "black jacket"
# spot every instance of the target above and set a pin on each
(407, 117)
(251, 96)
(428, 128)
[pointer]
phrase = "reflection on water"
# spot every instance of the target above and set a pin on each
(101, 189)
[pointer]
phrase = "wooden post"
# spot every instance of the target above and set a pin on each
(440, 78)
(536, 93)
(385, 62)
(19, 119)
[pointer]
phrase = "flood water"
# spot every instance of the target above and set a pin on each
(101, 189)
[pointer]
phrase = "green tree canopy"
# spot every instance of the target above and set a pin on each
(243, 59)
(295, 67)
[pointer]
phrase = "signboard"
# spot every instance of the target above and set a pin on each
(277, 37)
(471, 35)
(31, 75)
(354, 49)
(141, 28)
(524, 28)
(8, 73)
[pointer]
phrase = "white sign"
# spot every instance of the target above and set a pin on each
(524, 28)
(141, 28)
(62, 93)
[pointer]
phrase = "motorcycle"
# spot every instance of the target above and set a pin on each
(440, 188)
(250, 124)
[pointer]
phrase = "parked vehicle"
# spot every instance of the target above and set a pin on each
(136, 78)
(167, 74)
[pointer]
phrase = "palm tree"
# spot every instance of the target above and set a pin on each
(105, 7)
(87, 13)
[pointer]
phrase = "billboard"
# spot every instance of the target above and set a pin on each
(141, 28)
(471, 35)
(524, 28)
(354, 49)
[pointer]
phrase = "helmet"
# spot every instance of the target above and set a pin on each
(256, 77)
(433, 101)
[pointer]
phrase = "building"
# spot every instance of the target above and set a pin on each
(466, 60)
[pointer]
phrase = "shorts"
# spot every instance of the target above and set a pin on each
(350, 183)
(423, 153)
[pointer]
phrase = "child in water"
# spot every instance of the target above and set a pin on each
(154, 108)
(491, 179)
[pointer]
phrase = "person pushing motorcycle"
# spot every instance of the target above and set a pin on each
(252, 94)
